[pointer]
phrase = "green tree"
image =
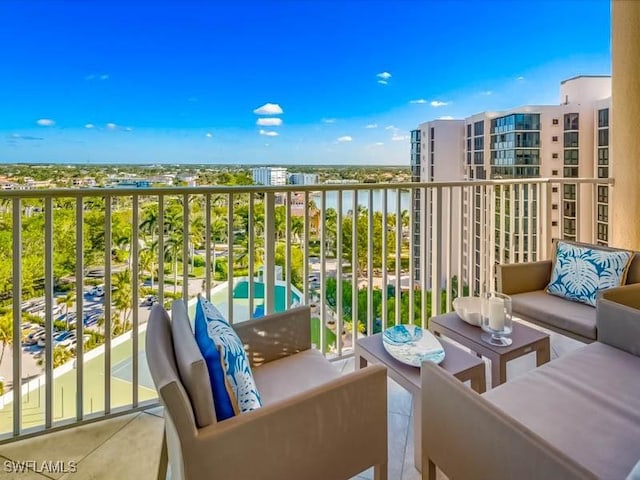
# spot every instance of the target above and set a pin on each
(122, 299)
(6, 333)
(68, 301)
(61, 355)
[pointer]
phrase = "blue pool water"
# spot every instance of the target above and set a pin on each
(219, 297)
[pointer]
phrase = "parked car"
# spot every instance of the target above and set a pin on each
(149, 300)
(97, 291)
(32, 338)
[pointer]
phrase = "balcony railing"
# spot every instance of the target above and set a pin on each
(365, 256)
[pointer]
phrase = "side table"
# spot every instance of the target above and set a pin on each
(525, 340)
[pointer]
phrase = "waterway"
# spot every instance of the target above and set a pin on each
(363, 200)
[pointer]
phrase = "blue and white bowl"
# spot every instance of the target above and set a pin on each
(412, 345)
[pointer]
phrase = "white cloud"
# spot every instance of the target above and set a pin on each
(128, 129)
(269, 109)
(487, 93)
(89, 125)
(269, 122)
(383, 75)
(379, 144)
(93, 76)
(372, 125)
(382, 82)
(419, 100)
(328, 120)
(520, 78)
(46, 122)
(345, 138)
(391, 127)
(111, 126)
(399, 138)
(438, 103)
(269, 133)
(446, 117)
(208, 135)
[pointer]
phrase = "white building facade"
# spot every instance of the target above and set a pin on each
(568, 140)
(269, 175)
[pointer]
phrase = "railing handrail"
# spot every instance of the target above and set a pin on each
(239, 189)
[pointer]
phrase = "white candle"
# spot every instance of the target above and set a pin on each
(496, 314)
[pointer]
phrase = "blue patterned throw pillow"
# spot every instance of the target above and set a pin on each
(581, 272)
(234, 390)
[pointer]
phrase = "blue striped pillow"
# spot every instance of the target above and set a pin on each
(233, 387)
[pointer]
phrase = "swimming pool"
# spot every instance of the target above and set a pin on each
(219, 297)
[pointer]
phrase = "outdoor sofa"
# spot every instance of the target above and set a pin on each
(526, 283)
(575, 417)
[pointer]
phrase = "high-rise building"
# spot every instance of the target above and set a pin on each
(436, 155)
(269, 175)
(303, 178)
(568, 140)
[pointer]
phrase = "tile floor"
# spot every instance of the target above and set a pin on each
(103, 450)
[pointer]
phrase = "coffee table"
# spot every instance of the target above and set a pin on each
(525, 340)
(460, 364)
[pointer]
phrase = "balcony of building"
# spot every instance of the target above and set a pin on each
(95, 405)
(104, 255)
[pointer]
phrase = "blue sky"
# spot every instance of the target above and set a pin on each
(181, 82)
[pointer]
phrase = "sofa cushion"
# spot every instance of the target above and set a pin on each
(294, 374)
(192, 366)
(556, 311)
(579, 272)
(586, 404)
(232, 383)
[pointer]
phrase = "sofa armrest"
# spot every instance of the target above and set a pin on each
(466, 436)
(276, 336)
(618, 318)
(335, 430)
(523, 277)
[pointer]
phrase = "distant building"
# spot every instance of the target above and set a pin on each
(303, 178)
(84, 182)
(299, 207)
(269, 176)
(132, 184)
(190, 180)
(567, 140)
(436, 155)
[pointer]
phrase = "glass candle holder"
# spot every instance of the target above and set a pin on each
(496, 319)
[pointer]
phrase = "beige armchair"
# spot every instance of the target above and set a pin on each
(314, 423)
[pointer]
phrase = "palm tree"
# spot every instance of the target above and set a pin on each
(148, 260)
(330, 226)
(172, 252)
(122, 296)
(6, 333)
(297, 228)
(68, 301)
(61, 355)
(150, 219)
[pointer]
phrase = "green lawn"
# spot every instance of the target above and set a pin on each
(315, 333)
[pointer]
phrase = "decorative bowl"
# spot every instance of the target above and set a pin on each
(469, 309)
(412, 345)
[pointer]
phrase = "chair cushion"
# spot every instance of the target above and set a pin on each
(191, 365)
(557, 312)
(234, 390)
(294, 374)
(585, 403)
(580, 272)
